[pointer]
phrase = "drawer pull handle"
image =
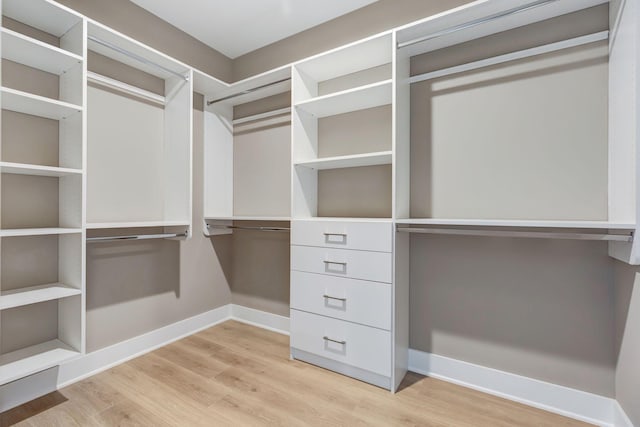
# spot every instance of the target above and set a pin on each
(344, 264)
(335, 298)
(335, 234)
(335, 341)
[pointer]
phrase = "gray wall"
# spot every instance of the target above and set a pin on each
(627, 342)
(375, 18)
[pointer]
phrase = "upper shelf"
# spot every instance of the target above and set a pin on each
(595, 225)
(352, 161)
(475, 20)
(33, 53)
(44, 15)
(20, 232)
(360, 98)
(36, 105)
(135, 224)
(361, 55)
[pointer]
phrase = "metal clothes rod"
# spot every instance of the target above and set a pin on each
(513, 56)
(137, 57)
(248, 91)
(238, 227)
(134, 237)
(523, 234)
(474, 23)
(124, 87)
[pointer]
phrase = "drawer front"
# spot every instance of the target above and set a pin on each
(375, 266)
(364, 236)
(356, 345)
(368, 303)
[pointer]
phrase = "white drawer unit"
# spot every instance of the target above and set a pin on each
(360, 346)
(365, 236)
(358, 301)
(375, 266)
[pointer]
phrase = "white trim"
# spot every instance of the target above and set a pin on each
(103, 359)
(554, 398)
(620, 418)
(260, 319)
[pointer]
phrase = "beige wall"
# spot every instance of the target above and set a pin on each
(375, 18)
(627, 343)
(136, 22)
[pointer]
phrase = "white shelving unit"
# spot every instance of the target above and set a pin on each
(431, 35)
(332, 256)
(259, 142)
(153, 186)
(353, 78)
(60, 300)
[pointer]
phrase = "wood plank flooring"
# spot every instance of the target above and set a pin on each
(238, 375)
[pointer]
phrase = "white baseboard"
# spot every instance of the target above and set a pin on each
(620, 418)
(261, 319)
(550, 397)
(108, 357)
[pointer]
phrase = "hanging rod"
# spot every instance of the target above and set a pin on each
(138, 58)
(521, 234)
(248, 91)
(124, 87)
(513, 56)
(474, 23)
(134, 237)
(238, 227)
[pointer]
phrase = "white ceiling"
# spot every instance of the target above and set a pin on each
(240, 26)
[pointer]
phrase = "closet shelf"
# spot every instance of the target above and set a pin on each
(37, 170)
(36, 105)
(342, 219)
(595, 225)
(135, 224)
(352, 161)
(33, 53)
(35, 294)
(360, 98)
(247, 218)
(20, 232)
(44, 15)
(30, 360)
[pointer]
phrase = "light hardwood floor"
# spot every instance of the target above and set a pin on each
(235, 375)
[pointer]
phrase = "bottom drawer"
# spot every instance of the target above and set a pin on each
(356, 345)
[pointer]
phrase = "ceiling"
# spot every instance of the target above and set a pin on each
(241, 26)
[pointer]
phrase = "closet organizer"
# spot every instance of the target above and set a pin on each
(530, 131)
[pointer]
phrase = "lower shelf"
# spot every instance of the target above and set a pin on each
(30, 360)
(35, 294)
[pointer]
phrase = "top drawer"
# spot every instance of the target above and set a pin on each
(366, 236)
